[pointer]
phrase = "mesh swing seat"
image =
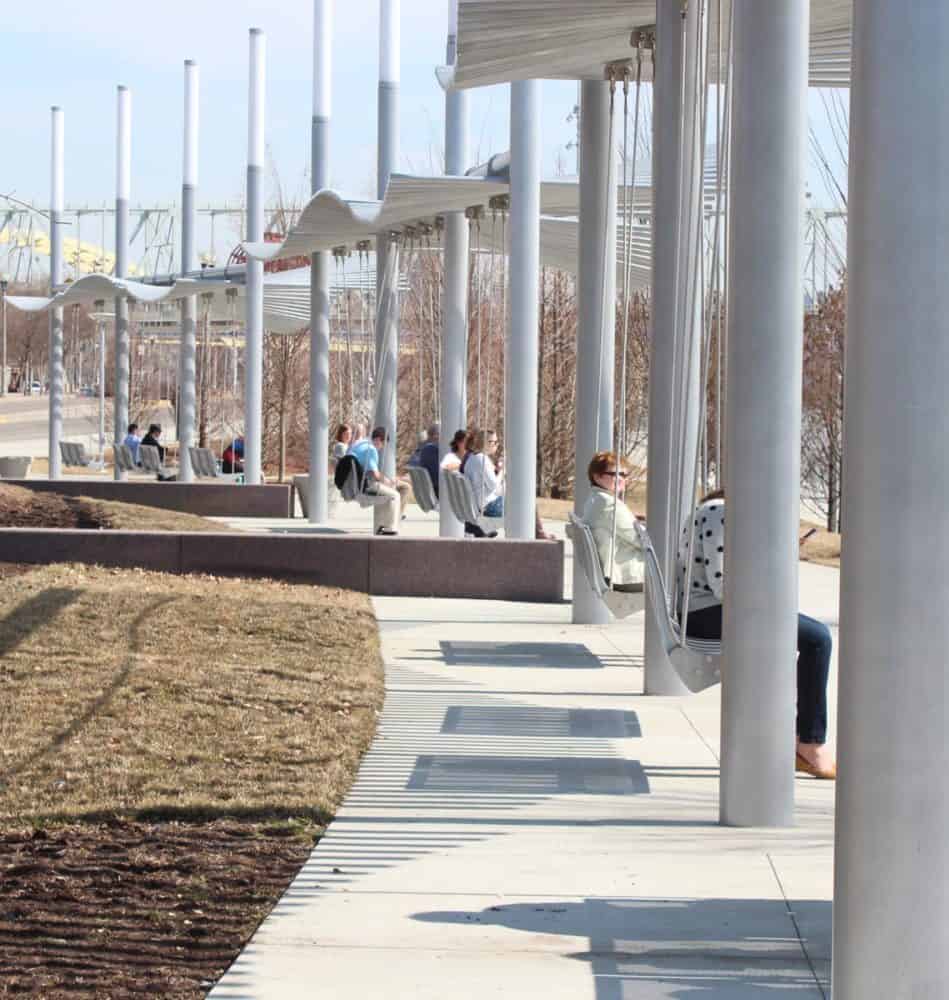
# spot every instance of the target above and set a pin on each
(462, 501)
(621, 603)
(698, 662)
(422, 488)
(204, 466)
(461, 498)
(74, 455)
(351, 491)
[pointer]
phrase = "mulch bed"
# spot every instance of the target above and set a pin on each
(127, 909)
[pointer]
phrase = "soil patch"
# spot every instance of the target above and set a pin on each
(170, 750)
(21, 507)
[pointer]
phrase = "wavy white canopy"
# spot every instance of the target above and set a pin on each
(503, 40)
(99, 287)
(329, 220)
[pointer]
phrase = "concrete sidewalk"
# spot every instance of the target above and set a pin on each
(527, 824)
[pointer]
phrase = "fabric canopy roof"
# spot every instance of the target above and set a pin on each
(98, 287)
(329, 220)
(503, 40)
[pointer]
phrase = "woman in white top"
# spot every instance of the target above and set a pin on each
(621, 557)
(487, 481)
(456, 452)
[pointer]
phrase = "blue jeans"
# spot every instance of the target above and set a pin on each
(814, 644)
(495, 508)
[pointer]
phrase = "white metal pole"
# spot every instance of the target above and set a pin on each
(318, 507)
(387, 326)
(763, 423)
(891, 894)
(56, 372)
(455, 303)
(520, 410)
(660, 678)
(254, 303)
(596, 295)
(188, 344)
(123, 185)
(100, 333)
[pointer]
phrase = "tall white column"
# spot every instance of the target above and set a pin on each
(56, 372)
(455, 301)
(254, 301)
(100, 334)
(387, 323)
(320, 268)
(763, 424)
(123, 186)
(891, 894)
(187, 349)
(660, 678)
(520, 408)
(596, 295)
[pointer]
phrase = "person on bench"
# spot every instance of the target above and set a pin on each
(232, 459)
(606, 497)
(151, 439)
(814, 641)
(133, 441)
(367, 452)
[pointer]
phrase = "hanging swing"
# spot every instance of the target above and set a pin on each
(621, 603)
(696, 661)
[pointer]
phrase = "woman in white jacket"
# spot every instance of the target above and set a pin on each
(622, 560)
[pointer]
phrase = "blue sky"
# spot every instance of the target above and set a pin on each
(74, 55)
(59, 52)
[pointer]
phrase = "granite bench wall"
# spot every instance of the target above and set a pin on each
(392, 567)
(205, 499)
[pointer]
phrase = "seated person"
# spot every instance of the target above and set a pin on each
(342, 441)
(133, 440)
(481, 470)
(622, 559)
(232, 460)
(368, 453)
(428, 457)
(456, 452)
(151, 440)
(814, 642)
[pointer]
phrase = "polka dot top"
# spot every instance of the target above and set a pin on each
(707, 527)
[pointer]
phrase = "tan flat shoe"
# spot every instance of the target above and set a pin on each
(804, 766)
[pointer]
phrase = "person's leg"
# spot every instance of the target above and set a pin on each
(495, 508)
(814, 645)
(404, 490)
(705, 623)
(385, 516)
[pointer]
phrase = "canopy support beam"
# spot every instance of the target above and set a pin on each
(187, 350)
(57, 387)
(318, 507)
(120, 406)
(521, 362)
(596, 295)
(454, 372)
(763, 422)
(891, 920)
(254, 303)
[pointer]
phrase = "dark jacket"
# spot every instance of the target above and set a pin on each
(149, 440)
(428, 459)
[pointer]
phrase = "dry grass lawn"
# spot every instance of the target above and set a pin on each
(21, 507)
(170, 749)
(144, 695)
